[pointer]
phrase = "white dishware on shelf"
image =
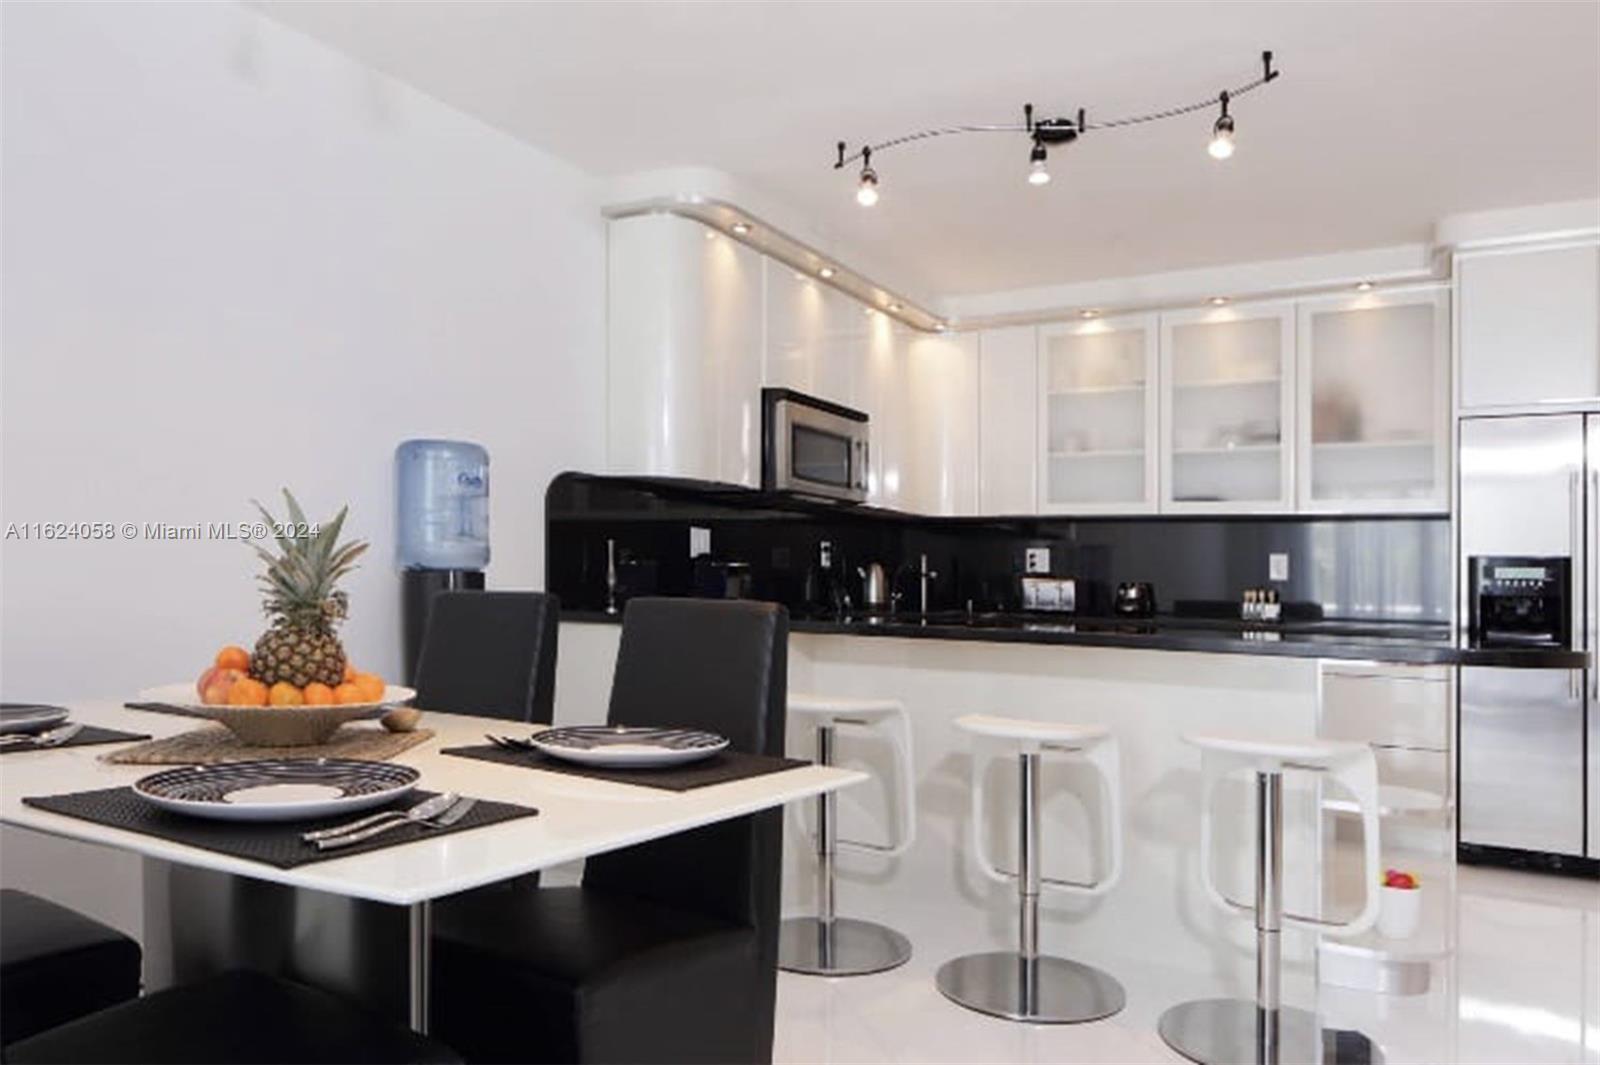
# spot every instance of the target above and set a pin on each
(282, 789)
(1399, 911)
(627, 747)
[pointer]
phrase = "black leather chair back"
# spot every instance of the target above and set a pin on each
(492, 654)
(717, 665)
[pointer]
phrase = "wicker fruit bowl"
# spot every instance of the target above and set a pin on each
(277, 726)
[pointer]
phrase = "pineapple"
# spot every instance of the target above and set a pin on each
(303, 601)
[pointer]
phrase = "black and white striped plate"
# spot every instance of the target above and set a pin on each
(279, 789)
(29, 717)
(621, 746)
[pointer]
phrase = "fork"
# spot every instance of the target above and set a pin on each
(509, 743)
(455, 813)
(433, 807)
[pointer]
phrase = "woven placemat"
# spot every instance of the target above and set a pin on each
(275, 843)
(718, 769)
(89, 737)
(214, 744)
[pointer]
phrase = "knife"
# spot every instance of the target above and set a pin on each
(50, 738)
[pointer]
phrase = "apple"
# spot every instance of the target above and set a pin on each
(1396, 878)
(214, 683)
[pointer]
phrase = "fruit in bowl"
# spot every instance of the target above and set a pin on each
(297, 686)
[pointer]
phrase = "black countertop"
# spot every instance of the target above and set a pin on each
(1377, 641)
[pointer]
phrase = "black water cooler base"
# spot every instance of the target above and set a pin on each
(417, 589)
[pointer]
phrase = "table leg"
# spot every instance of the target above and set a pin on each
(420, 959)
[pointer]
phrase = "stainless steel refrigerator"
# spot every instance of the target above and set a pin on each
(1529, 739)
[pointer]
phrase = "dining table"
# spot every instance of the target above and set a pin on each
(347, 922)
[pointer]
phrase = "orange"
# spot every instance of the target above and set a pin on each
(285, 694)
(247, 691)
(371, 685)
(231, 657)
(348, 693)
(318, 694)
(349, 670)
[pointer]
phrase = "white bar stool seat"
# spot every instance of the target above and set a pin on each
(1262, 1031)
(1024, 985)
(827, 944)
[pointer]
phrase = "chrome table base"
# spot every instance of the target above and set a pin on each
(1225, 1031)
(1041, 990)
(842, 947)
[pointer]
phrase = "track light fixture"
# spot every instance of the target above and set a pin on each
(1049, 132)
(1221, 145)
(867, 188)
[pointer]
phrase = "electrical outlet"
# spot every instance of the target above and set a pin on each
(1278, 566)
(699, 541)
(1036, 560)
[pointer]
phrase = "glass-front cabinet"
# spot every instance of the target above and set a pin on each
(1227, 409)
(1374, 402)
(1097, 416)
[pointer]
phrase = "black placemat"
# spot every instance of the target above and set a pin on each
(720, 768)
(88, 737)
(277, 843)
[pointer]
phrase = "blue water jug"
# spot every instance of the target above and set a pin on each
(442, 505)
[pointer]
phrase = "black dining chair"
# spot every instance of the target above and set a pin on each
(57, 965)
(492, 654)
(667, 952)
(237, 1018)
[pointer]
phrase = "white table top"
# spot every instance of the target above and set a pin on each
(578, 817)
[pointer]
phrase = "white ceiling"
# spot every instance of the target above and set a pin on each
(1387, 117)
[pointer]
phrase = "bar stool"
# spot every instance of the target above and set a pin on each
(829, 945)
(1024, 985)
(1265, 1031)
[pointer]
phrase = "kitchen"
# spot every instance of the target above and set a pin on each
(1328, 481)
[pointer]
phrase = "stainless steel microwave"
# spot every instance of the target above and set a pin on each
(812, 447)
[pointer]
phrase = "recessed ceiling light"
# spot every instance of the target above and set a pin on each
(894, 306)
(1218, 301)
(710, 235)
(868, 311)
(939, 327)
(740, 228)
(1089, 313)
(1365, 286)
(798, 276)
(825, 272)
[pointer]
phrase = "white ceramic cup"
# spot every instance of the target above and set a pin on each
(1399, 912)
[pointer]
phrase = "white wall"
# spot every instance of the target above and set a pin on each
(236, 260)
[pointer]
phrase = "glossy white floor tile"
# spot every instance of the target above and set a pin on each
(1524, 986)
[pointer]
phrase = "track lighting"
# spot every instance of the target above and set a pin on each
(867, 189)
(1049, 132)
(1037, 172)
(1221, 146)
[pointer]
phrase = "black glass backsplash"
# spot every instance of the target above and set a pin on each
(766, 545)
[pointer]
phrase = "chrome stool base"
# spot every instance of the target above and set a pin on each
(1043, 990)
(847, 947)
(1224, 1031)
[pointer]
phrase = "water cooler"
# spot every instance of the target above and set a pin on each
(441, 527)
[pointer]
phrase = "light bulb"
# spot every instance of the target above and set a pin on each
(867, 190)
(1221, 146)
(1038, 173)
(825, 273)
(741, 228)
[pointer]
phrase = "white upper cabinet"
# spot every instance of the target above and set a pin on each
(1008, 420)
(1374, 418)
(1097, 416)
(1227, 409)
(1529, 326)
(941, 429)
(816, 337)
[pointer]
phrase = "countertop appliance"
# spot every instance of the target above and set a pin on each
(874, 585)
(1529, 767)
(1519, 602)
(812, 447)
(1135, 599)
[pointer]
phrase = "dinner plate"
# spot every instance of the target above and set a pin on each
(621, 747)
(279, 789)
(29, 717)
